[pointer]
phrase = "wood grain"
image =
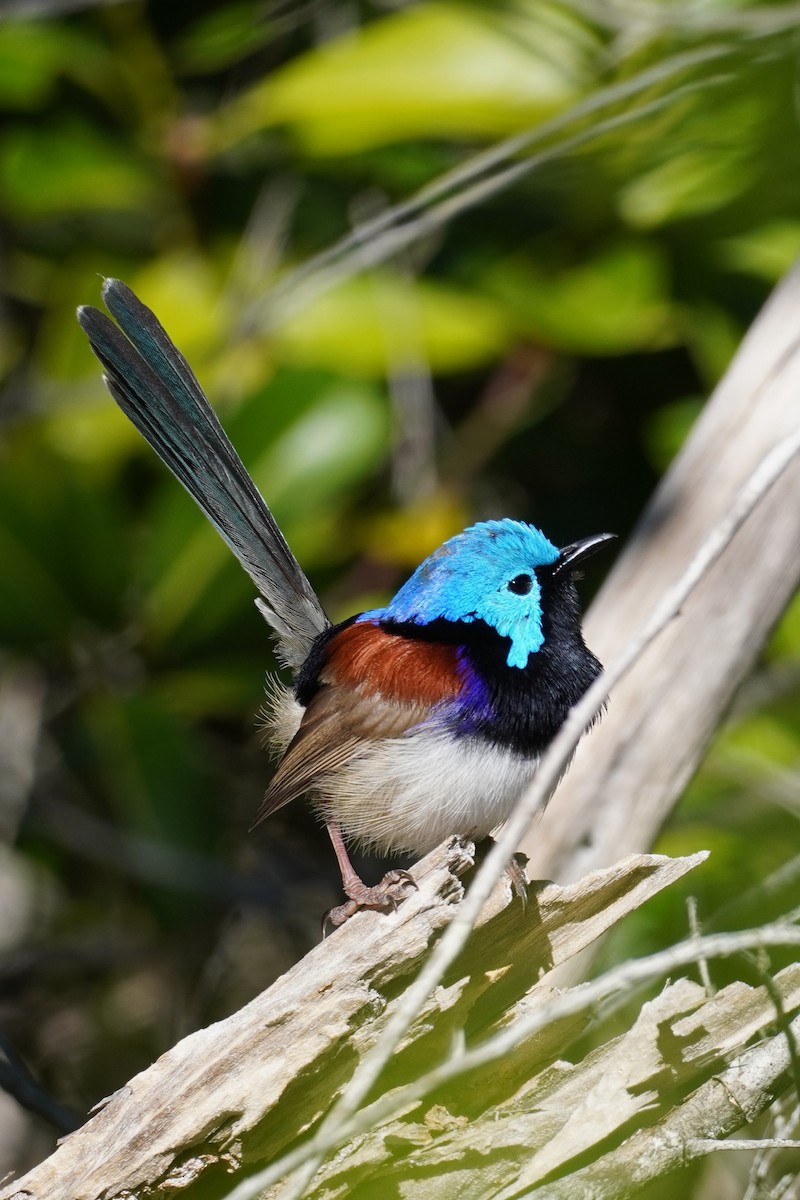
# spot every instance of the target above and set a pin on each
(632, 768)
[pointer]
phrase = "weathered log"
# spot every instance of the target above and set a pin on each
(241, 1091)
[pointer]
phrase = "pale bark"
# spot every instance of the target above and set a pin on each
(518, 1147)
(241, 1091)
(738, 1094)
(631, 769)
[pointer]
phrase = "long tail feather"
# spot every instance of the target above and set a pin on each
(156, 388)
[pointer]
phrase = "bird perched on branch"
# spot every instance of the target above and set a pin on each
(404, 724)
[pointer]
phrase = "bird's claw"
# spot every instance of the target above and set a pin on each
(383, 897)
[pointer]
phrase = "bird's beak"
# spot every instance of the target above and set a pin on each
(576, 552)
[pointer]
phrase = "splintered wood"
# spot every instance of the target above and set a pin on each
(232, 1098)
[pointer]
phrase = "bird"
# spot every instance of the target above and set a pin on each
(404, 724)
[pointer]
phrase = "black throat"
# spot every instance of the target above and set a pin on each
(521, 708)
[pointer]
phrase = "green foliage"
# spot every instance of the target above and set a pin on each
(430, 70)
(376, 324)
(609, 303)
(554, 335)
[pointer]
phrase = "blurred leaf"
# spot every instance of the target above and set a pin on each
(153, 770)
(223, 36)
(610, 303)
(30, 60)
(713, 335)
(35, 55)
(690, 183)
(92, 433)
(699, 156)
(338, 441)
(80, 421)
(768, 736)
(264, 417)
(11, 349)
(70, 167)
(667, 429)
(61, 550)
(429, 70)
(727, 862)
(408, 536)
(32, 604)
(786, 638)
(378, 323)
(185, 289)
(219, 689)
(768, 252)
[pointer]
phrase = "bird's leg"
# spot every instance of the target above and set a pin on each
(385, 896)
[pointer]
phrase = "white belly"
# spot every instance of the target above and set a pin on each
(410, 793)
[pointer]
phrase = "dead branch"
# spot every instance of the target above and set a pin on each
(630, 771)
(731, 1097)
(519, 1145)
(242, 1091)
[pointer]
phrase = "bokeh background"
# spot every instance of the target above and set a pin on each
(593, 201)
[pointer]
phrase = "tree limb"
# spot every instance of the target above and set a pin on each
(630, 770)
(243, 1090)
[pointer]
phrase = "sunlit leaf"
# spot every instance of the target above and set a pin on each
(704, 163)
(70, 167)
(35, 55)
(768, 252)
(333, 444)
(184, 290)
(91, 433)
(379, 323)
(429, 70)
(614, 302)
(690, 183)
(409, 535)
(187, 292)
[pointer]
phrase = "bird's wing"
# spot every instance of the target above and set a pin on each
(372, 685)
(157, 390)
(338, 723)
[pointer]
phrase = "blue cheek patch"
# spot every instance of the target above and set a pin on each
(524, 642)
(524, 629)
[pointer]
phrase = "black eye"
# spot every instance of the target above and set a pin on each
(520, 585)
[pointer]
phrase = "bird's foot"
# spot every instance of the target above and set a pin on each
(383, 897)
